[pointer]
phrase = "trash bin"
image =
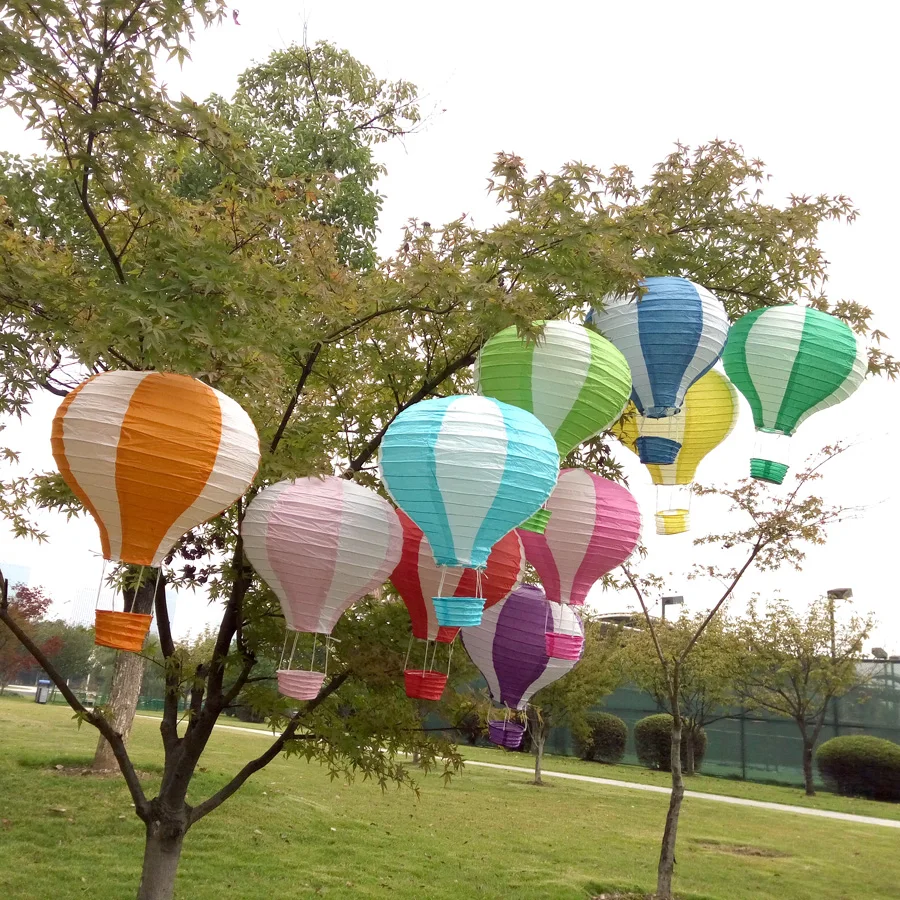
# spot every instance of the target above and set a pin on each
(42, 691)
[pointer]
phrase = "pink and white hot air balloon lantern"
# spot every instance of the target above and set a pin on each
(320, 544)
(594, 526)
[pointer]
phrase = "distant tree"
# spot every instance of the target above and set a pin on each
(769, 530)
(73, 654)
(567, 702)
(707, 675)
(796, 663)
(27, 606)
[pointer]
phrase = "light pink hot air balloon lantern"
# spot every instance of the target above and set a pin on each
(594, 526)
(320, 544)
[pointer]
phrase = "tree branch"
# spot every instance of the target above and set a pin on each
(650, 624)
(371, 446)
(740, 574)
(308, 364)
(289, 734)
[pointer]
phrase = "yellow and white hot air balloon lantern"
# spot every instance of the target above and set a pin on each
(150, 455)
(708, 417)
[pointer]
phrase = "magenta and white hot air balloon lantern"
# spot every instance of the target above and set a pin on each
(594, 526)
(320, 544)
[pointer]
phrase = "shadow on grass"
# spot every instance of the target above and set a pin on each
(75, 765)
(604, 891)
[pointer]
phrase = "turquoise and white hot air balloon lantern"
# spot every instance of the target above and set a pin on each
(671, 335)
(467, 470)
(790, 362)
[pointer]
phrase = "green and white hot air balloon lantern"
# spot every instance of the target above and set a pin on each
(570, 378)
(790, 362)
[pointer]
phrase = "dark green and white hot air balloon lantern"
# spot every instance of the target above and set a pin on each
(790, 362)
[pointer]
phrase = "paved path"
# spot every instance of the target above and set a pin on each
(652, 788)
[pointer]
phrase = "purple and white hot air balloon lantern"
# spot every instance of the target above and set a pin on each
(509, 648)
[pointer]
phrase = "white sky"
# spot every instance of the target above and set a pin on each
(810, 88)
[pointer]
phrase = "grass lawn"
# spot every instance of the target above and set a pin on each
(769, 793)
(292, 832)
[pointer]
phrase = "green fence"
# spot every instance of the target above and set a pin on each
(761, 747)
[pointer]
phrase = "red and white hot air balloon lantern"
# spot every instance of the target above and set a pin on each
(150, 455)
(418, 579)
(320, 544)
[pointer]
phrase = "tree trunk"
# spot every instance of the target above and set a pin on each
(666, 869)
(690, 766)
(537, 742)
(808, 767)
(162, 852)
(126, 681)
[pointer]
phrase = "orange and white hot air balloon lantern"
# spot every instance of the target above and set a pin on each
(150, 455)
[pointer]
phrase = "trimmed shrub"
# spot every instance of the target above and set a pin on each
(653, 743)
(860, 765)
(605, 738)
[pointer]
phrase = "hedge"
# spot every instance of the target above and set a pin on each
(861, 766)
(653, 743)
(605, 740)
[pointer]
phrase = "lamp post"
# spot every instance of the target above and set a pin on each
(670, 601)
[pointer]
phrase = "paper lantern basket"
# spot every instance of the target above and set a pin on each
(300, 684)
(121, 630)
(424, 685)
(506, 734)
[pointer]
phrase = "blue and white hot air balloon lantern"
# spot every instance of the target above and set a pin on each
(671, 335)
(467, 471)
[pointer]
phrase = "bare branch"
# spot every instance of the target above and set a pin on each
(289, 734)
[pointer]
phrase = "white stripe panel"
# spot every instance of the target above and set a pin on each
(771, 348)
(713, 333)
(237, 460)
(559, 367)
(479, 644)
(472, 434)
(368, 550)
(565, 620)
(618, 323)
(570, 532)
(853, 380)
(91, 430)
(430, 583)
(255, 532)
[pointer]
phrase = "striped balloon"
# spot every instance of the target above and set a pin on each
(573, 380)
(417, 579)
(671, 336)
(710, 413)
(790, 362)
(150, 456)
(509, 647)
(320, 544)
(467, 470)
(594, 526)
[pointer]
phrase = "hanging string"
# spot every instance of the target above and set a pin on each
(449, 657)
(440, 592)
(312, 658)
(408, 650)
(478, 592)
(293, 649)
(327, 648)
(100, 586)
(287, 635)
